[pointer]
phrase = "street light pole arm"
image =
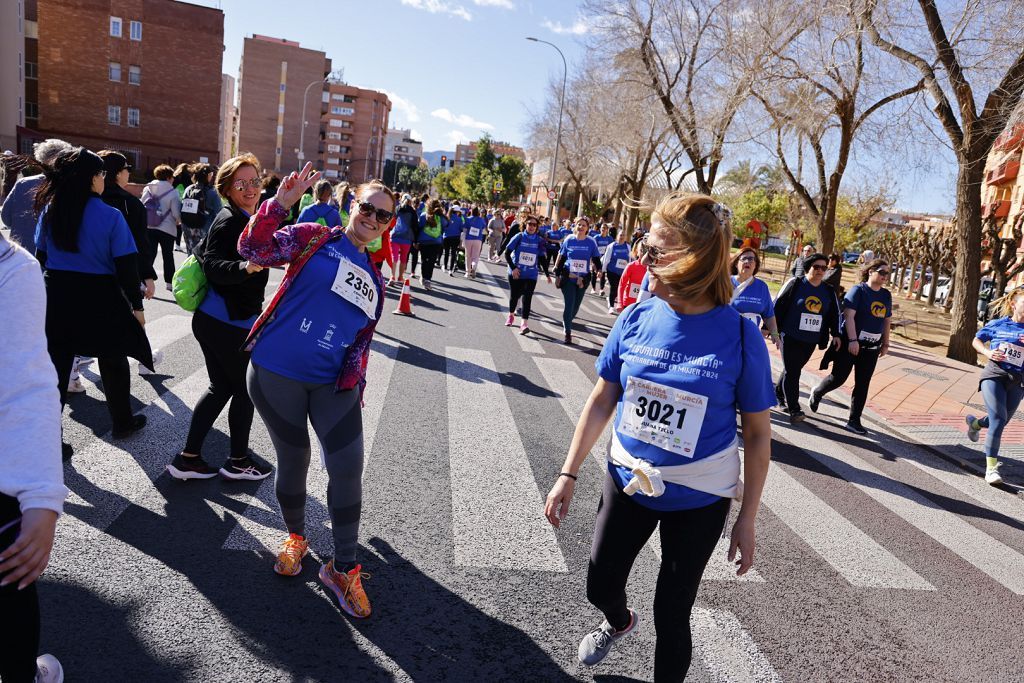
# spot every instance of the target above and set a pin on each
(302, 123)
(561, 107)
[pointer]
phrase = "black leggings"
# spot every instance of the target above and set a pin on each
(19, 607)
(414, 258)
(117, 382)
(520, 287)
(688, 537)
(430, 253)
(613, 287)
(450, 259)
(226, 365)
(795, 355)
(166, 244)
(863, 365)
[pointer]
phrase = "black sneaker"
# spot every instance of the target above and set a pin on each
(796, 417)
(856, 427)
(190, 468)
(137, 423)
(780, 396)
(815, 400)
(246, 468)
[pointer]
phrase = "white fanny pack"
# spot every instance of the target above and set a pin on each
(717, 474)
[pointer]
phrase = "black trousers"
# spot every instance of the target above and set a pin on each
(226, 365)
(20, 609)
(863, 366)
(520, 287)
(166, 244)
(450, 258)
(795, 355)
(613, 287)
(116, 377)
(414, 258)
(688, 537)
(430, 253)
(594, 281)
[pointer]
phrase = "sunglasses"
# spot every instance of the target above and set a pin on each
(651, 252)
(883, 273)
(240, 185)
(747, 259)
(818, 266)
(382, 215)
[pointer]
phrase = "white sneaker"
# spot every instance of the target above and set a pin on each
(75, 387)
(611, 310)
(157, 357)
(48, 670)
(992, 475)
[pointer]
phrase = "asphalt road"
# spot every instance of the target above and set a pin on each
(877, 561)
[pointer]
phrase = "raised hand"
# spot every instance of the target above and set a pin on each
(295, 184)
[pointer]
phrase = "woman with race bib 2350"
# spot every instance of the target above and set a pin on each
(673, 373)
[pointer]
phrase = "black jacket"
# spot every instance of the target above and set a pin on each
(134, 213)
(224, 267)
(784, 304)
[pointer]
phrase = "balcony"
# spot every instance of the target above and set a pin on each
(1003, 173)
(1010, 139)
(996, 209)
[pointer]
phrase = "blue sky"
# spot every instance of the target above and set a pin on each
(454, 68)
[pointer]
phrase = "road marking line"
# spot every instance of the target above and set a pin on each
(990, 556)
(728, 652)
(497, 508)
(525, 343)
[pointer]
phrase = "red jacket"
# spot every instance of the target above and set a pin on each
(632, 275)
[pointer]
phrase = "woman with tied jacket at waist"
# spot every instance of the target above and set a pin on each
(233, 301)
(92, 282)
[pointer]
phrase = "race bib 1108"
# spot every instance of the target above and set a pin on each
(810, 322)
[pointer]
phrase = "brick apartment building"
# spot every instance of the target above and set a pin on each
(353, 132)
(12, 72)
(273, 78)
(123, 74)
(1002, 193)
(465, 154)
(228, 117)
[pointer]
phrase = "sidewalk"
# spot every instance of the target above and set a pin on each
(923, 399)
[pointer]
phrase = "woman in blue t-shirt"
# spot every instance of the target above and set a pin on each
(750, 295)
(670, 375)
(473, 241)
(452, 240)
(867, 310)
(604, 240)
(1002, 380)
(577, 259)
(614, 260)
(321, 210)
(522, 254)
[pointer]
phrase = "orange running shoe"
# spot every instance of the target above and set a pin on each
(348, 589)
(289, 559)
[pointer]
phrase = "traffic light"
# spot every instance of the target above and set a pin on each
(444, 160)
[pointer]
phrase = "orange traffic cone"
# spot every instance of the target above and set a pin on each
(405, 302)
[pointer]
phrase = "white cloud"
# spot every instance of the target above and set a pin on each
(439, 7)
(504, 4)
(455, 137)
(416, 135)
(460, 119)
(407, 109)
(577, 29)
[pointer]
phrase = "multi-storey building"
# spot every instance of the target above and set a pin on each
(31, 69)
(1002, 192)
(465, 154)
(401, 147)
(228, 117)
(12, 72)
(278, 80)
(353, 132)
(121, 74)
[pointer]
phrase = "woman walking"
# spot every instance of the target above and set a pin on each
(1002, 380)
(430, 240)
(750, 295)
(495, 234)
(233, 301)
(614, 262)
(452, 239)
(632, 279)
(402, 237)
(199, 206)
(474, 241)
(310, 348)
(808, 314)
(522, 254)
(577, 258)
(163, 217)
(867, 309)
(604, 240)
(673, 458)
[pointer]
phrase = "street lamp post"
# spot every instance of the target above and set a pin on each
(558, 135)
(302, 128)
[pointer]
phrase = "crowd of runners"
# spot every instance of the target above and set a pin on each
(687, 352)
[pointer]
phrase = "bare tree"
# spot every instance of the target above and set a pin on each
(979, 43)
(1004, 263)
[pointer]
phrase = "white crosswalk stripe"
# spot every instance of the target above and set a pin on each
(497, 507)
(728, 652)
(501, 296)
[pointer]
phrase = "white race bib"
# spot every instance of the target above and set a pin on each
(869, 337)
(601, 249)
(474, 232)
(353, 284)
(810, 322)
(190, 206)
(578, 266)
(620, 264)
(662, 416)
(754, 318)
(634, 291)
(1014, 354)
(527, 259)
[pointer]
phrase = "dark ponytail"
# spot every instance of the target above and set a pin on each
(63, 194)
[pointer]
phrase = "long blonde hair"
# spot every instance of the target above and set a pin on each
(1004, 304)
(701, 268)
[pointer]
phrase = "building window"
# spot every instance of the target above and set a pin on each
(345, 150)
(331, 173)
(349, 98)
(113, 115)
(32, 110)
(342, 111)
(335, 123)
(115, 27)
(133, 117)
(282, 87)
(338, 96)
(31, 70)
(280, 130)
(333, 148)
(333, 136)
(334, 161)
(277, 151)
(114, 72)
(135, 30)
(134, 75)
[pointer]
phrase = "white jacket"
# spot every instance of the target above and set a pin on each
(170, 205)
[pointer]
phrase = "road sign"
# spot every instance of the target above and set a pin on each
(498, 186)
(552, 194)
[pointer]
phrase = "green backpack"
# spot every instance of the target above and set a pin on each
(189, 287)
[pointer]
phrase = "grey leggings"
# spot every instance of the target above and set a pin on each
(337, 418)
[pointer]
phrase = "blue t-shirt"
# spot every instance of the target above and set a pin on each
(1000, 332)
(699, 354)
(404, 229)
(555, 235)
(475, 228)
(324, 214)
(102, 237)
(432, 234)
(603, 242)
(525, 250)
(619, 258)
(754, 302)
(872, 308)
(313, 327)
(811, 305)
(454, 227)
(214, 306)
(578, 254)
(645, 287)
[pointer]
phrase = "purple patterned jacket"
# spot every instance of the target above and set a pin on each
(263, 243)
